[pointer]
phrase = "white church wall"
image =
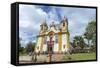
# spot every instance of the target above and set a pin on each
(64, 42)
(39, 43)
(48, 38)
(44, 44)
(55, 44)
(53, 38)
(67, 43)
(56, 47)
(52, 29)
(45, 47)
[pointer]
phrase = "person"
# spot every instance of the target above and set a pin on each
(68, 54)
(34, 56)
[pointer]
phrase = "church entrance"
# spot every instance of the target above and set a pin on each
(50, 44)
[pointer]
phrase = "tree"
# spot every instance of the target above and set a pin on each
(20, 42)
(93, 48)
(90, 33)
(78, 41)
(74, 43)
(21, 49)
(30, 47)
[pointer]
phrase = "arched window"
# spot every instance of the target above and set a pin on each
(64, 24)
(64, 46)
(45, 40)
(56, 39)
(41, 27)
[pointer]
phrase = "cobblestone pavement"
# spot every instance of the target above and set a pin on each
(40, 58)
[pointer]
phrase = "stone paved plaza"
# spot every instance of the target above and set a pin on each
(41, 58)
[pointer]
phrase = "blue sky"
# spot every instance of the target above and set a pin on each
(31, 16)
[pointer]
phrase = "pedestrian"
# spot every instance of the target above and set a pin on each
(34, 56)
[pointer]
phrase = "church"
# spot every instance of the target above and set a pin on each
(53, 38)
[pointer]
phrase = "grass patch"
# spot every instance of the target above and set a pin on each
(80, 56)
(24, 54)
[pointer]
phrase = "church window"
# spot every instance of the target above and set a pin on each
(41, 27)
(64, 24)
(45, 40)
(64, 46)
(56, 39)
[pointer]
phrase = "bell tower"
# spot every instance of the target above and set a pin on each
(43, 27)
(64, 25)
(65, 35)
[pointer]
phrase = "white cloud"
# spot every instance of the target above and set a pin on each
(78, 19)
(29, 21)
(30, 18)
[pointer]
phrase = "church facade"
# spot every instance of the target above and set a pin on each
(53, 38)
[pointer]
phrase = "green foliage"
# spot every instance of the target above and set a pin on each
(30, 47)
(74, 43)
(90, 33)
(21, 49)
(91, 28)
(93, 48)
(78, 41)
